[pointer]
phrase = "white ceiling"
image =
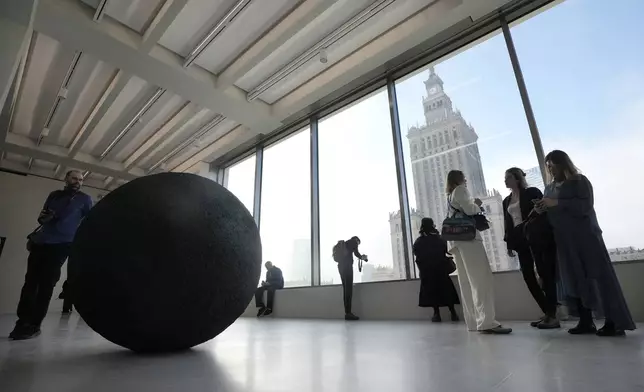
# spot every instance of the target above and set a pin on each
(135, 52)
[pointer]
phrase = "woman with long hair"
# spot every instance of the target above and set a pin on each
(436, 287)
(474, 272)
(587, 276)
(517, 209)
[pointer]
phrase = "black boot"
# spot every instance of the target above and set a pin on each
(609, 329)
(436, 318)
(586, 324)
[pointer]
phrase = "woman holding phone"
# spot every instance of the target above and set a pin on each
(517, 211)
(586, 272)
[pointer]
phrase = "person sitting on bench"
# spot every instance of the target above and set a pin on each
(274, 281)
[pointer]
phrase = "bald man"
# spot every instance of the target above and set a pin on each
(49, 246)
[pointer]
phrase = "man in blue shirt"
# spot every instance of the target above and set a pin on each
(49, 247)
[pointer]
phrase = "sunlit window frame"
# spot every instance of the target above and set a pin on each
(460, 37)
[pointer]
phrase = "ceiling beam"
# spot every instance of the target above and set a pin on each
(111, 92)
(174, 124)
(16, 26)
(46, 173)
(295, 21)
(176, 136)
(222, 142)
(23, 145)
(160, 24)
(69, 22)
(413, 31)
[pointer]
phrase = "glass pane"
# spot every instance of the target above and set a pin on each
(455, 115)
(584, 69)
(358, 188)
(240, 180)
(285, 224)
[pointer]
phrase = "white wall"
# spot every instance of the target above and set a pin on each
(398, 300)
(21, 199)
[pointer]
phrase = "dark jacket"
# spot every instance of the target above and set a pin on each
(275, 278)
(525, 202)
(352, 249)
(430, 251)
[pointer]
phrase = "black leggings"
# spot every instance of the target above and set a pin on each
(451, 309)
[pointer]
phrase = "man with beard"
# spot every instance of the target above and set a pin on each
(49, 246)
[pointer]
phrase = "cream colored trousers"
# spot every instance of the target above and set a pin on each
(477, 285)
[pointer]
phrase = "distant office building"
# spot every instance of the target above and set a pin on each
(371, 273)
(493, 238)
(626, 254)
(397, 244)
(447, 142)
(533, 178)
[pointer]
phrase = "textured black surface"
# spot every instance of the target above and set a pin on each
(165, 262)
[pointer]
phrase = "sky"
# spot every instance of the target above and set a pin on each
(584, 71)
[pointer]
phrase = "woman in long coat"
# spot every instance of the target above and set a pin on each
(436, 287)
(586, 272)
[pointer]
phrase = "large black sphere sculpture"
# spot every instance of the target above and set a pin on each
(165, 262)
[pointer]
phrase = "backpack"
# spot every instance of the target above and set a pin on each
(340, 251)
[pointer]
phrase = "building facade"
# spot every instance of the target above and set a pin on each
(378, 273)
(397, 243)
(447, 142)
(533, 178)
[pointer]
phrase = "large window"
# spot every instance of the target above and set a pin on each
(584, 70)
(455, 115)
(240, 180)
(285, 223)
(358, 187)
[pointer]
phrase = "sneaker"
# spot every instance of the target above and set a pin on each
(610, 330)
(267, 312)
(261, 311)
(549, 323)
(436, 318)
(455, 317)
(535, 324)
(24, 333)
(499, 330)
(351, 317)
(583, 329)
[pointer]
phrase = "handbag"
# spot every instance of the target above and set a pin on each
(450, 265)
(458, 227)
(480, 220)
(32, 238)
(537, 230)
(463, 227)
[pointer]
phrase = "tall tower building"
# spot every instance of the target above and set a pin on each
(397, 244)
(533, 178)
(447, 142)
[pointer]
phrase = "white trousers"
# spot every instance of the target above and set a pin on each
(477, 285)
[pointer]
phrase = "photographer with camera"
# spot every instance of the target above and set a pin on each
(49, 246)
(343, 253)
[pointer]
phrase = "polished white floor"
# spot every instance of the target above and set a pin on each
(311, 355)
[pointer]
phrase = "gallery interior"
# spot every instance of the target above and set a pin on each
(329, 119)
